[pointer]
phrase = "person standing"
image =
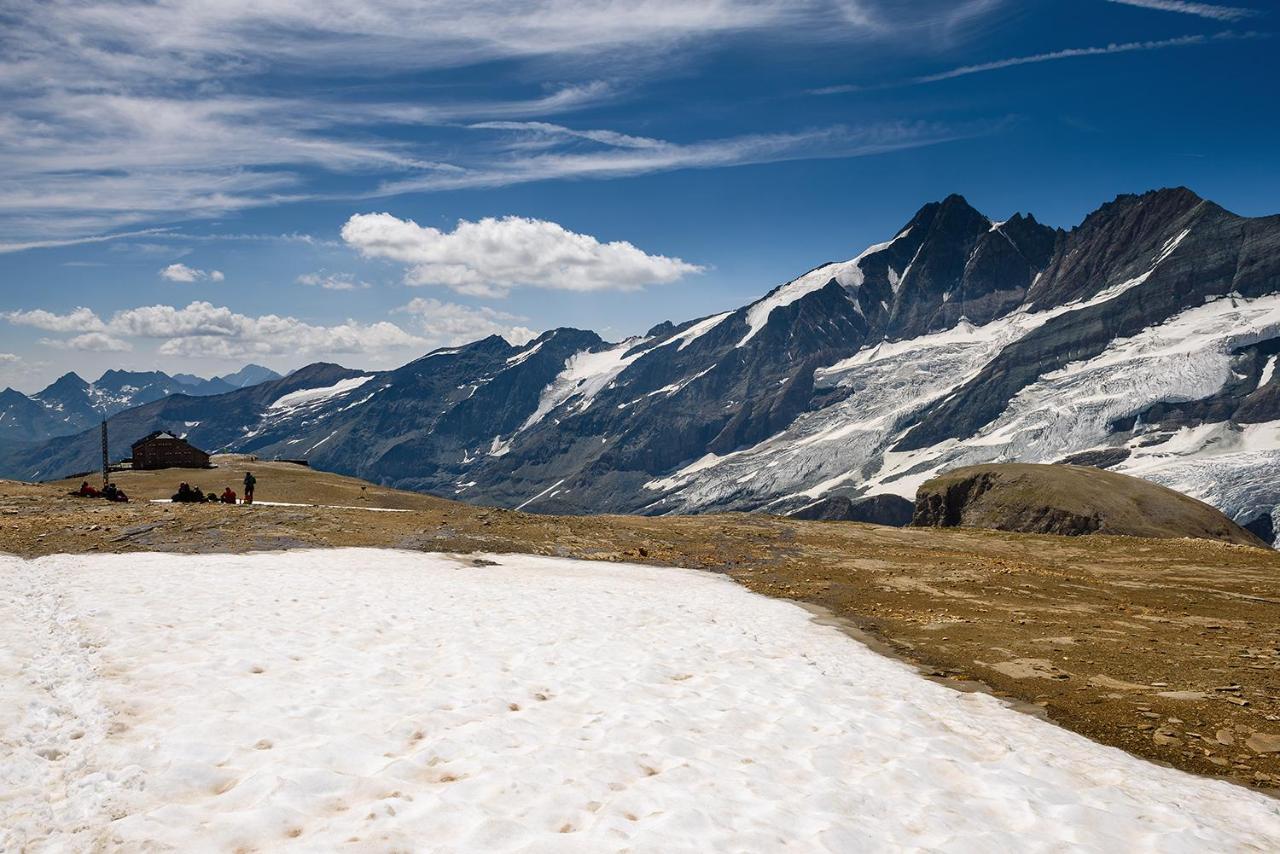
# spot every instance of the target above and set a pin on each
(249, 482)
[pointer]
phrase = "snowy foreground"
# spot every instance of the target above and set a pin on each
(374, 700)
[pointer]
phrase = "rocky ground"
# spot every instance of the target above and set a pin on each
(1169, 649)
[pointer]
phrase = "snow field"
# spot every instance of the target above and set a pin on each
(385, 700)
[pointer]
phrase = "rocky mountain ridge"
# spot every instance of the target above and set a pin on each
(70, 404)
(1146, 336)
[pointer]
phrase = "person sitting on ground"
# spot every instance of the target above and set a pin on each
(117, 494)
(228, 496)
(109, 492)
(249, 482)
(185, 494)
(86, 491)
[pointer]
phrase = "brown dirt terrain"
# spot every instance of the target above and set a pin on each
(1169, 649)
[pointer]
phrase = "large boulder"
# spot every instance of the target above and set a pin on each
(1070, 500)
(875, 509)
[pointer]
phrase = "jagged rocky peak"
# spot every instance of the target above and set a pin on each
(1119, 241)
(949, 261)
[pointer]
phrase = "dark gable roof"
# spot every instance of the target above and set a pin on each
(163, 434)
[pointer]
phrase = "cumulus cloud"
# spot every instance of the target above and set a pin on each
(9, 358)
(182, 273)
(94, 342)
(202, 329)
(450, 324)
(332, 281)
(491, 256)
(78, 319)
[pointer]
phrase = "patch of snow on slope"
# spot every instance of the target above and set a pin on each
(309, 396)
(847, 273)
(1171, 245)
(519, 358)
(661, 710)
(529, 501)
(1268, 371)
(696, 331)
(585, 375)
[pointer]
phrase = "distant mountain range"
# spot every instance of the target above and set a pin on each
(71, 405)
(1145, 339)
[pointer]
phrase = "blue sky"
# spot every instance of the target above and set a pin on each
(190, 186)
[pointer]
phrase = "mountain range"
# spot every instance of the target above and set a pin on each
(71, 405)
(1144, 339)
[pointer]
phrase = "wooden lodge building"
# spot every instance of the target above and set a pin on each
(163, 450)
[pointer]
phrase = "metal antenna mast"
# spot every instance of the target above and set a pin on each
(105, 462)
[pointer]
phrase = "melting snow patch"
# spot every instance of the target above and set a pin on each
(696, 331)
(540, 494)
(319, 699)
(585, 375)
(1268, 371)
(308, 396)
(519, 358)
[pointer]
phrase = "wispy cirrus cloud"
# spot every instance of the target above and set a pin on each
(1050, 56)
(1202, 10)
(1072, 53)
(6, 248)
(121, 113)
(505, 164)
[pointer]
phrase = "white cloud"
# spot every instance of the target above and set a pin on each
(332, 281)
(9, 358)
(491, 256)
(182, 273)
(202, 329)
(553, 131)
(514, 165)
(95, 238)
(448, 324)
(79, 319)
(1070, 53)
(95, 342)
(1203, 10)
(119, 114)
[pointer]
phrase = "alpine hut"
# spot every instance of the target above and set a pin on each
(163, 450)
